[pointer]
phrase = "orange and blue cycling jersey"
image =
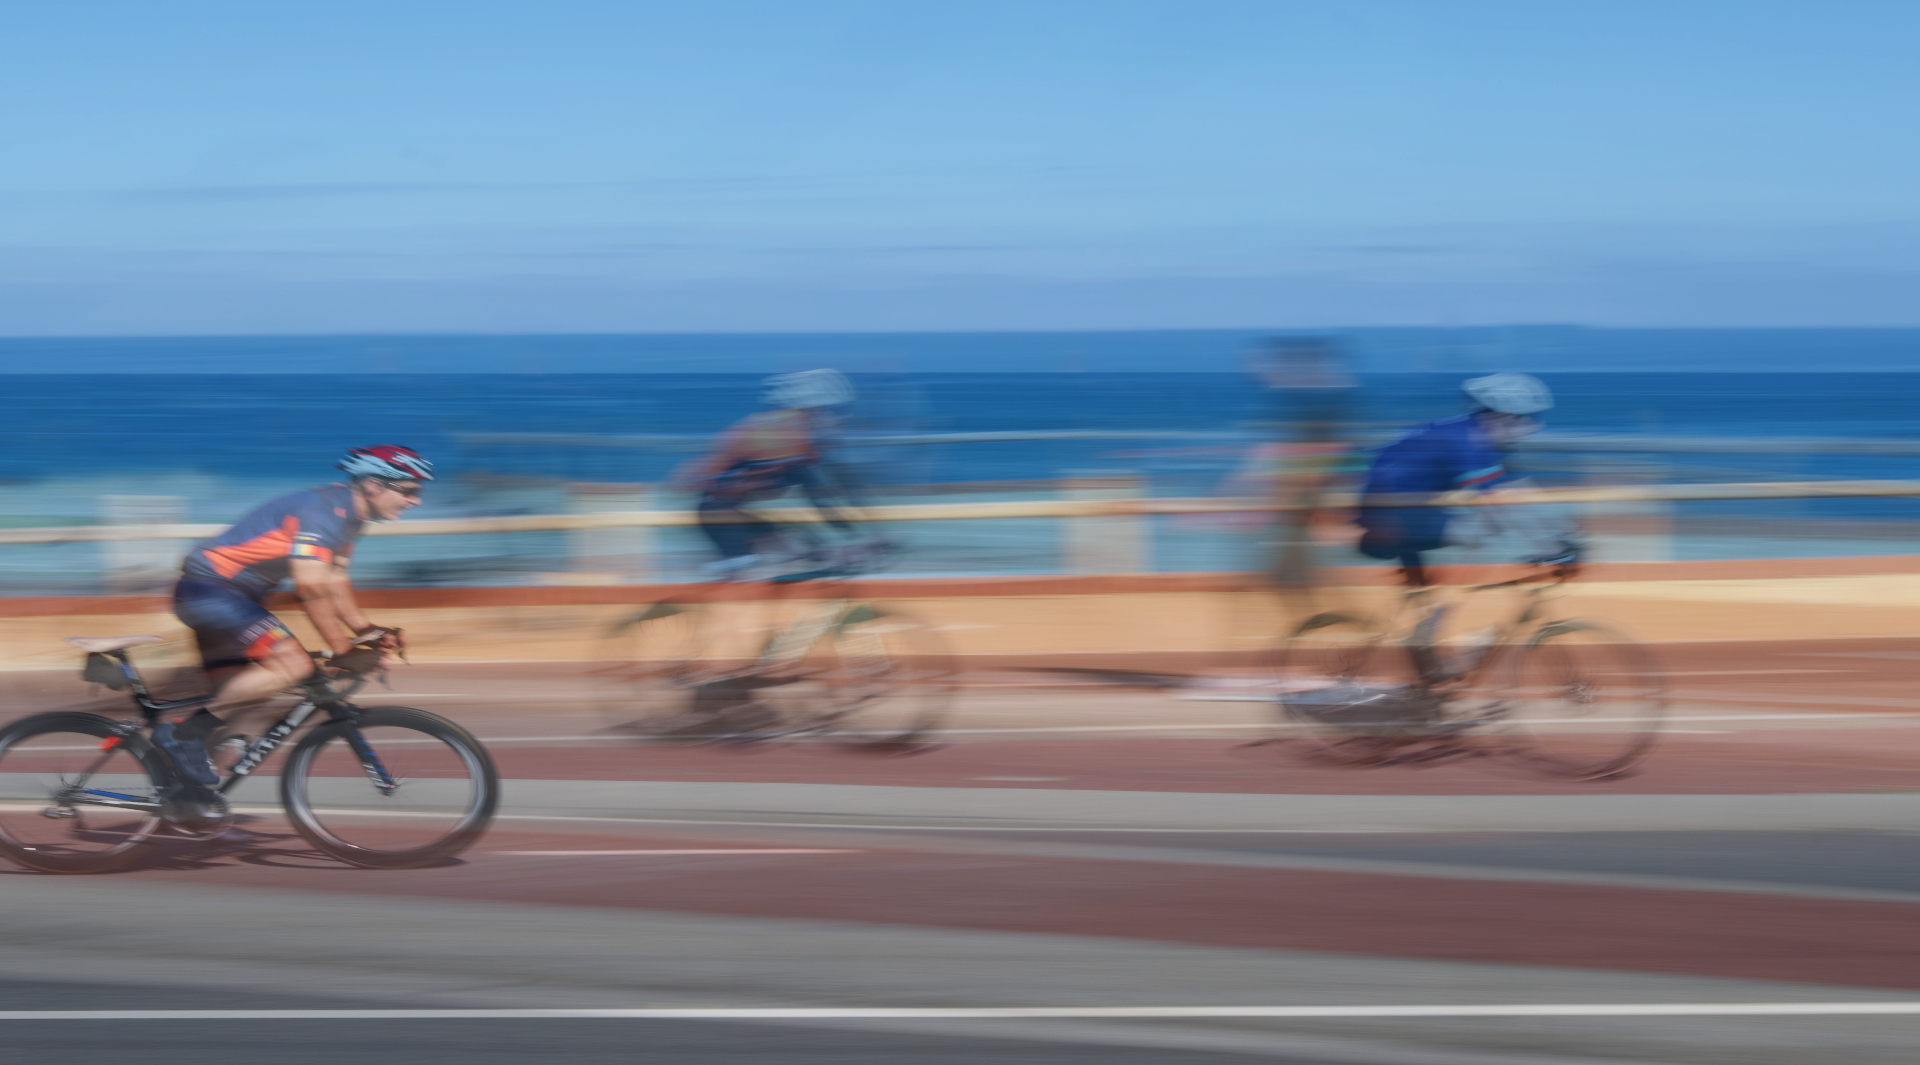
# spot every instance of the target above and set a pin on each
(256, 553)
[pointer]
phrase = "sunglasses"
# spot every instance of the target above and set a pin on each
(411, 492)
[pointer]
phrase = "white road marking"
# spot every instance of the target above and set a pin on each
(1894, 656)
(1572, 1009)
(702, 850)
(1727, 672)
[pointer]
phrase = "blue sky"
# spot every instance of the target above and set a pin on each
(565, 166)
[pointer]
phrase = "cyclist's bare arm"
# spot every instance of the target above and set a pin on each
(326, 594)
(747, 441)
(830, 491)
(328, 598)
(728, 448)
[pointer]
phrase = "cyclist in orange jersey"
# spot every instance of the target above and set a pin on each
(247, 652)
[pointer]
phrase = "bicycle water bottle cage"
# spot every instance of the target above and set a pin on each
(102, 669)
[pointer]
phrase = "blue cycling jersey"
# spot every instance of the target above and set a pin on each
(1443, 456)
(255, 553)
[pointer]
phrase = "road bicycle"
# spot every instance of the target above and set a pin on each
(1569, 698)
(730, 663)
(381, 787)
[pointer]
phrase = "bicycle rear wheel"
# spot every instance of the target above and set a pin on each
(682, 673)
(75, 796)
(391, 788)
(1347, 694)
(1585, 701)
(876, 680)
(660, 679)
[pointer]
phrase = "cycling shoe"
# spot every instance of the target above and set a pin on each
(194, 807)
(189, 754)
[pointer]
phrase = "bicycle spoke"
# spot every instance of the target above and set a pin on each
(1585, 701)
(73, 797)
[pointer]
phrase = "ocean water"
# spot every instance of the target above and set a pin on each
(1459, 349)
(269, 425)
(219, 443)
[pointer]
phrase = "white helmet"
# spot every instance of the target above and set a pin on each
(808, 388)
(1509, 393)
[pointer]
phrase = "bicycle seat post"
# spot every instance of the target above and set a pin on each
(136, 687)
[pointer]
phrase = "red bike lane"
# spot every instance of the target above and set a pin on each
(1778, 761)
(1820, 940)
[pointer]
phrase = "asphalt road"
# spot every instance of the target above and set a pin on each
(492, 1041)
(1867, 860)
(950, 879)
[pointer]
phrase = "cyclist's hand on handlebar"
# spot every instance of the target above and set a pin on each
(358, 660)
(1565, 562)
(385, 638)
(1567, 556)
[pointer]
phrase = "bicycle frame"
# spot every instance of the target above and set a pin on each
(1420, 645)
(793, 639)
(318, 694)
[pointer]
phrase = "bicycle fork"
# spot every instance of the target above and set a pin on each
(370, 762)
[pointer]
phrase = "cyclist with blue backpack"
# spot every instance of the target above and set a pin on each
(1462, 453)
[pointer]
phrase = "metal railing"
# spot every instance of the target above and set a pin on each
(1042, 508)
(1544, 441)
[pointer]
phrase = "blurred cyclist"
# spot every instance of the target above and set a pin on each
(1464, 452)
(765, 455)
(1312, 393)
(246, 651)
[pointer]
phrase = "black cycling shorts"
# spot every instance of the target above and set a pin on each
(231, 627)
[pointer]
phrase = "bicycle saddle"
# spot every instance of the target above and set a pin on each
(103, 644)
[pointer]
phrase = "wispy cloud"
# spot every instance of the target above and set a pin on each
(1394, 249)
(310, 190)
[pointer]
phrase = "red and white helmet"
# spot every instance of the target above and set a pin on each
(387, 462)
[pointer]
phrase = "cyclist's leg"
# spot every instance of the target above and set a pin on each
(278, 667)
(240, 641)
(1426, 632)
(1414, 570)
(735, 532)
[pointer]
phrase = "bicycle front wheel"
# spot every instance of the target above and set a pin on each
(391, 788)
(1586, 702)
(660, 678)
(76, 796)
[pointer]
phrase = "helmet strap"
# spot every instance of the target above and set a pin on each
(361, 501)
